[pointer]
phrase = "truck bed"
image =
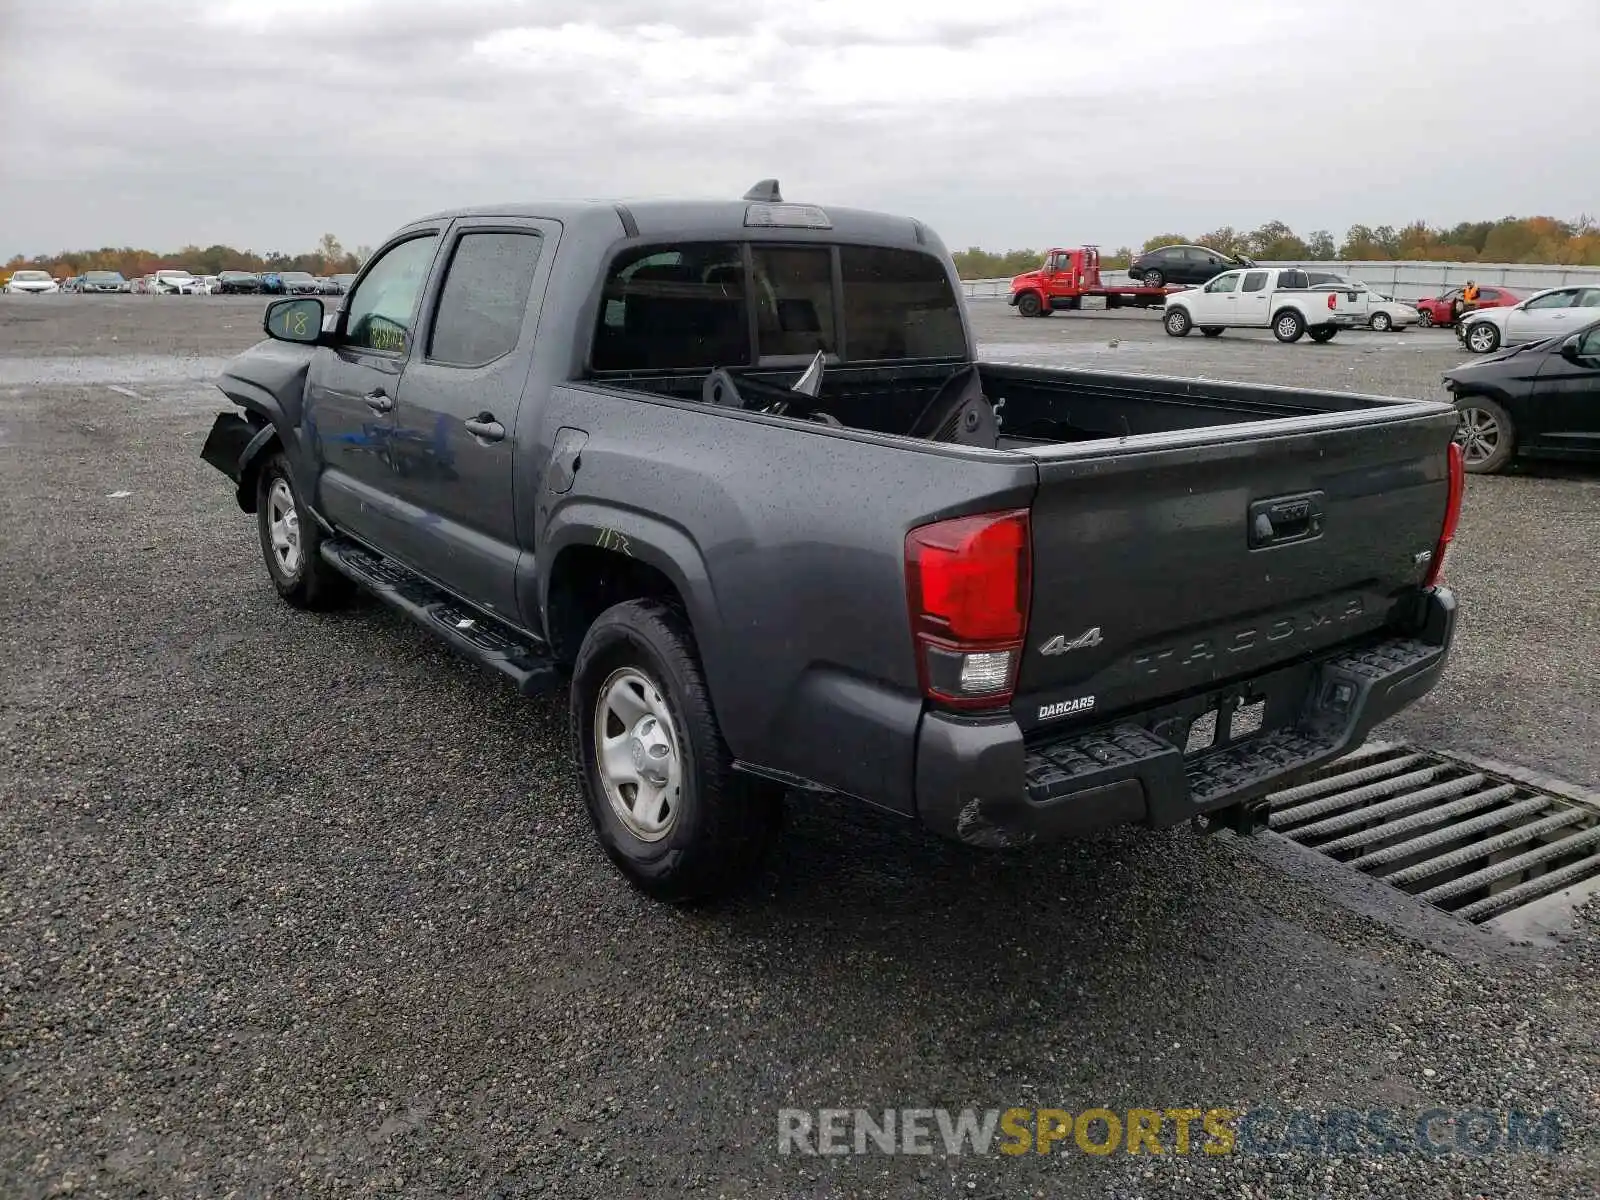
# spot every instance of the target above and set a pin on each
(1186, 534)
(1040, 406)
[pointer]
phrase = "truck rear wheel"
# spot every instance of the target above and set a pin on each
(1288, 326)
(658, 780)
(1028, 304)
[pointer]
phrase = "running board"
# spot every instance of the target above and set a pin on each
(524, 659)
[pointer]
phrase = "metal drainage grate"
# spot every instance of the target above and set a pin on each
(1472, 842)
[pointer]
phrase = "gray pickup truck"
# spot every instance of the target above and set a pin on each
(730, 474)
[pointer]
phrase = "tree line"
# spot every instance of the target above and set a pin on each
(329, 258)
(1508, 240)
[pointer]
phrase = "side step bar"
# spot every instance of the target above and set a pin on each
(521, 657)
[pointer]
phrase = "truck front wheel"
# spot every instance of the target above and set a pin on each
(1028, 304)
(1178, 323)
(1324, 333)
(658, 780)
(291, 542)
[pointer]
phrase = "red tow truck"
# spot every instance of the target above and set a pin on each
(1067, 276)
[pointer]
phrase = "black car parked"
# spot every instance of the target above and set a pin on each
(1540, 400)
(1183, 264)
(238, 282)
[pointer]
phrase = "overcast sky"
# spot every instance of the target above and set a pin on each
(265, 123)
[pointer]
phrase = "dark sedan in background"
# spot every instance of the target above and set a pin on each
(244, 283)
(1540, 400)
(102, 281)
(1183, 264)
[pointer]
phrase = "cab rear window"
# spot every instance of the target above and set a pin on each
(700, 305)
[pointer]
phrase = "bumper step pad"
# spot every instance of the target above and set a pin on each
(1178, 785)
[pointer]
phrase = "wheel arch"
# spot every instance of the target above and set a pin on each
(600, 556)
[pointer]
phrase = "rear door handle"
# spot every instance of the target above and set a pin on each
(485, 427)
(378, 401)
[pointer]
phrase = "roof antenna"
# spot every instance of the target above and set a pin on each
(765, 192)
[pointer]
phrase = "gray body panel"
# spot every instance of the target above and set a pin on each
(785, 538)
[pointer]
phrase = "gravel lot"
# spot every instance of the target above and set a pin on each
(303, 905)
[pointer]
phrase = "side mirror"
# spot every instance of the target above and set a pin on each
(297, 320)
(1570, 350)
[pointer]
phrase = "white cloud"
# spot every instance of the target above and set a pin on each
(1004, 122)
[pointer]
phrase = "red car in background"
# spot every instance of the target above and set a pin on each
(1437, 309)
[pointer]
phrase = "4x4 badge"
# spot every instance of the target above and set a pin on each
(1060, 645)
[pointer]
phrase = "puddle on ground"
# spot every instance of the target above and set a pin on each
(130, 369)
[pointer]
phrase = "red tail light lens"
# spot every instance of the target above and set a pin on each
(1452, 516)
(1333, 300)
(967, 583)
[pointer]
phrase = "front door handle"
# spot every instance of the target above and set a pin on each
(379, 401)
(486, 428)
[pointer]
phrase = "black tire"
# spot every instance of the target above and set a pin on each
(1380, 322)
(1487, 337)
(1487, 437)
(1029, 305)
(1324, 333)
(1211, 331)
(1154, 279)
(1424, 318)
(1288, 326)
(312, 583)
(1177, 322)
(724, 823)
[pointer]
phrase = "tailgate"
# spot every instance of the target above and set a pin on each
(1165, 565)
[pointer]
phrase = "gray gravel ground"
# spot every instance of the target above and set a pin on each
(302, 905)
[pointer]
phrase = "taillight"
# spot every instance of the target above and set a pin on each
(1333, 300)
(967, 583)
(1452, 516)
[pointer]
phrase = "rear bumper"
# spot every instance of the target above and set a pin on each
(979, 782)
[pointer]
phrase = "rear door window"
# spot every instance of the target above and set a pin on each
(898, 304)
(484, 297)
(1254, 281)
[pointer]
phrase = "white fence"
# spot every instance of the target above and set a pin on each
(1402, 280)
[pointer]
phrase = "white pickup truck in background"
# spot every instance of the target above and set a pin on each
(1281, 299)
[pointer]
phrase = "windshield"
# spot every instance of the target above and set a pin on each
(31, 276)
(173, 275)
(296, 275)
(104, 276)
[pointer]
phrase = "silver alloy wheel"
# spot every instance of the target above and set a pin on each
(1177, 321)
(1286, 326)
(1479, 435)
(1480, 338)
(636, 751)
(283, 522)
(1381, 322)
